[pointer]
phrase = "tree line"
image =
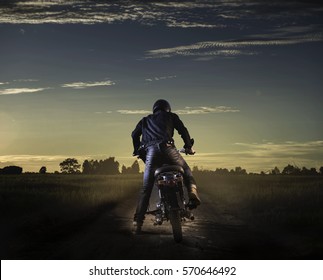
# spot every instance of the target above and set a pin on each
(287, 170)
(111, 166)
(107, 166)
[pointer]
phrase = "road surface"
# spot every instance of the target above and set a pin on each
(214, 234)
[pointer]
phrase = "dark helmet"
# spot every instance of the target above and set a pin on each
(161, 104)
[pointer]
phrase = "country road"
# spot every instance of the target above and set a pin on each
(214, 234)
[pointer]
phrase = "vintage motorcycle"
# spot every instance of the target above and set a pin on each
(172, 205)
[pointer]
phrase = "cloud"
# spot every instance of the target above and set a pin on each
(20, 90)
(160, 78)
(187, 111)
(173, 14)
(133, 112)
(82, 85)
(256, 157)
(19, 81)
(25, 80)
(231, 47)
(206, 110)
(40, 3)
(190, 24)
(100, 112)
(288, 148)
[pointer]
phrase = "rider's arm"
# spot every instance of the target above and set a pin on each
(182, 130)
(136, 137)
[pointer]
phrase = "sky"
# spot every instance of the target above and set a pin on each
(245, 77)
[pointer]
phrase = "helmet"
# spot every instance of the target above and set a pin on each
(161, 104)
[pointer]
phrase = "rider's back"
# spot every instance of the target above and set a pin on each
(160, 127)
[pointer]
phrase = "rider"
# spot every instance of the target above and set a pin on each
(157, 148)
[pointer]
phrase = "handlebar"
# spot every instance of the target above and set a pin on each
(187, 151)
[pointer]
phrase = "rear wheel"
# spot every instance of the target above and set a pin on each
(175, 220)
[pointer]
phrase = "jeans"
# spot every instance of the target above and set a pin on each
(157, 155)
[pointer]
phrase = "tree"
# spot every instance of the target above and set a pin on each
(70, 166)
(321, 170)
(108, 166)
(87, 167)
(240, 171)
(313, 171)
(291, 170)
(11, 170)
(275, 171)
(43, 170)
(195, 169)
(134, 169)
(124, 169)
(221, 171)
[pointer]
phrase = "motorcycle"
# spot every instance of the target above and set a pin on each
(172, 205)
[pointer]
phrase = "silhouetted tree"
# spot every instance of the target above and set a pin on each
(43, 170)
(134, 169)
(309, 172)
(275, 171)
(321, 170)
(195, 169)
(11, 170)
(291, 170)
(221, 171)
(124, 169)
(239, 171)
(87, 167)
(70, 166)
(108, 166)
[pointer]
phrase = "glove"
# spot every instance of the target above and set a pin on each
(189, 151)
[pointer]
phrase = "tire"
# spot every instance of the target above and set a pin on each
(175, 220)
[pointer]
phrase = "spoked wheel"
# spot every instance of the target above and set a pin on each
(175, 220)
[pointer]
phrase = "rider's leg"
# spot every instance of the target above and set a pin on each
(176, 158)
(148, 182)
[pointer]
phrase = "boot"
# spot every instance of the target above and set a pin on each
(138, 229)
(194, 199)
(137, 226)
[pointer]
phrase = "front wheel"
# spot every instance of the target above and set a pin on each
(175, 220)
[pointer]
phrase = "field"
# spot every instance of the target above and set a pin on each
(286, 201)
(37, 207)
(42, 213)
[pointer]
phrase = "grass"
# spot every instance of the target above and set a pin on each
(29, 193)
(292, 202)
(33, 206)
(272, 200)
(37, 209)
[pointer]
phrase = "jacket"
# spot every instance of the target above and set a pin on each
(157, 128)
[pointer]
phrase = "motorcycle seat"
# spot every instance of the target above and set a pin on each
(169, 168)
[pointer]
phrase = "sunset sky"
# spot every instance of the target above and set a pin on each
(245, 77)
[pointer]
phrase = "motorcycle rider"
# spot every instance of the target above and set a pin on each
(156, 148)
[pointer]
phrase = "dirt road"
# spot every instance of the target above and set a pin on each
(214, 234)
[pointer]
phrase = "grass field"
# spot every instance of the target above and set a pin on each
(36, 207)
(25, 197)
(293, 202)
